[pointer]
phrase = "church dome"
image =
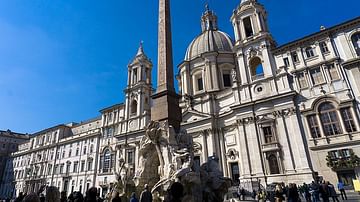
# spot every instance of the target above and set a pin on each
(208, 41)
(211, 39)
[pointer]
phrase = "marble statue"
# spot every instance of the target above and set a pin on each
(166, 157)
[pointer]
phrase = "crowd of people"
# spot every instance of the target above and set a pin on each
(293, 193)
(52, 194)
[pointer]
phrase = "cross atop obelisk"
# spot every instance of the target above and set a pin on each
(166, 103)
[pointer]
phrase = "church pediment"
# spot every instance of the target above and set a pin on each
(191, 116)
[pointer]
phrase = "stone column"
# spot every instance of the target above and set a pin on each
(243, 150)
(256, 156)
(297, 142)
(283, 138)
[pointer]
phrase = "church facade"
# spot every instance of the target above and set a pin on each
(270, 113)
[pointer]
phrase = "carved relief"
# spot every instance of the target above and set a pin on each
(232, 154)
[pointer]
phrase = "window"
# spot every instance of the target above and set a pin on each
(273, 164)
(309, 51)
(295, 57)
(91, 148)
(84, 152)
(348, 120)
(106, 161)
(63, 154)
(316, 76)
(89, 164)
(108, 132)
(340, 154)
(62, 168)
(313, 126)
(133, 107)
(286, 62)
(80, 186)
(77, 151)
(329, 119)
(75, 168)
(268, 134)
(248, 27)
(226, 78)
(82, 168)
(70, 153)
(334, 75)
(256, 68)
(235, 174)
(49, 169)
(135, 76)
(68, 167)
(198, 82)
(323, 47)
(356, 42)
(130, 156)
(110, 117)
(302, 80)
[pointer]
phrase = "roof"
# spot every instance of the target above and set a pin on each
(327, 31)
(209, 41)
(112, 107)
(11, 134)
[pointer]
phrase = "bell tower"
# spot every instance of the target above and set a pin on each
(253, 42)
(139, 88)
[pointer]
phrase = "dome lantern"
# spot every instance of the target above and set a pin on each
(208, 20)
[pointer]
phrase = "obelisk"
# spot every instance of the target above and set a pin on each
(165, 100)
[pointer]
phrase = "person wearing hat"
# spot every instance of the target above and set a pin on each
(146, 195)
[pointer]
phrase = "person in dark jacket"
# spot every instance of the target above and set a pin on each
(91, 195)
(133, 198)
(63, 196)
(324, 191)
(293, 194)
(42, 198)
(146, 195)
(332, 192)
(78, 197)
(20, 197)
(115, 197)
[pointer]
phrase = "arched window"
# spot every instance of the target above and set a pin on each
(329, 119)
(273, 164)
(133, 107)
(107, 161)
(256, 68)
(355, 38)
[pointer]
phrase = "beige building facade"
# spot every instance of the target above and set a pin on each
(271, 113)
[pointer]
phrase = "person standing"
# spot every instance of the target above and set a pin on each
(324, 191)
(146, 195)
(279, 194)
(341, 188)
(333, 193)
(133, 198)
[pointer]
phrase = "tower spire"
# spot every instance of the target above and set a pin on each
(141, 49)
(166, 101)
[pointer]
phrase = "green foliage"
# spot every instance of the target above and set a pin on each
(343, 163)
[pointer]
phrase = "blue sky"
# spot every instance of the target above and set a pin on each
(63, 60)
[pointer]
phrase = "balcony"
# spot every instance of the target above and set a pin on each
(257, 77)
(273, 146)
